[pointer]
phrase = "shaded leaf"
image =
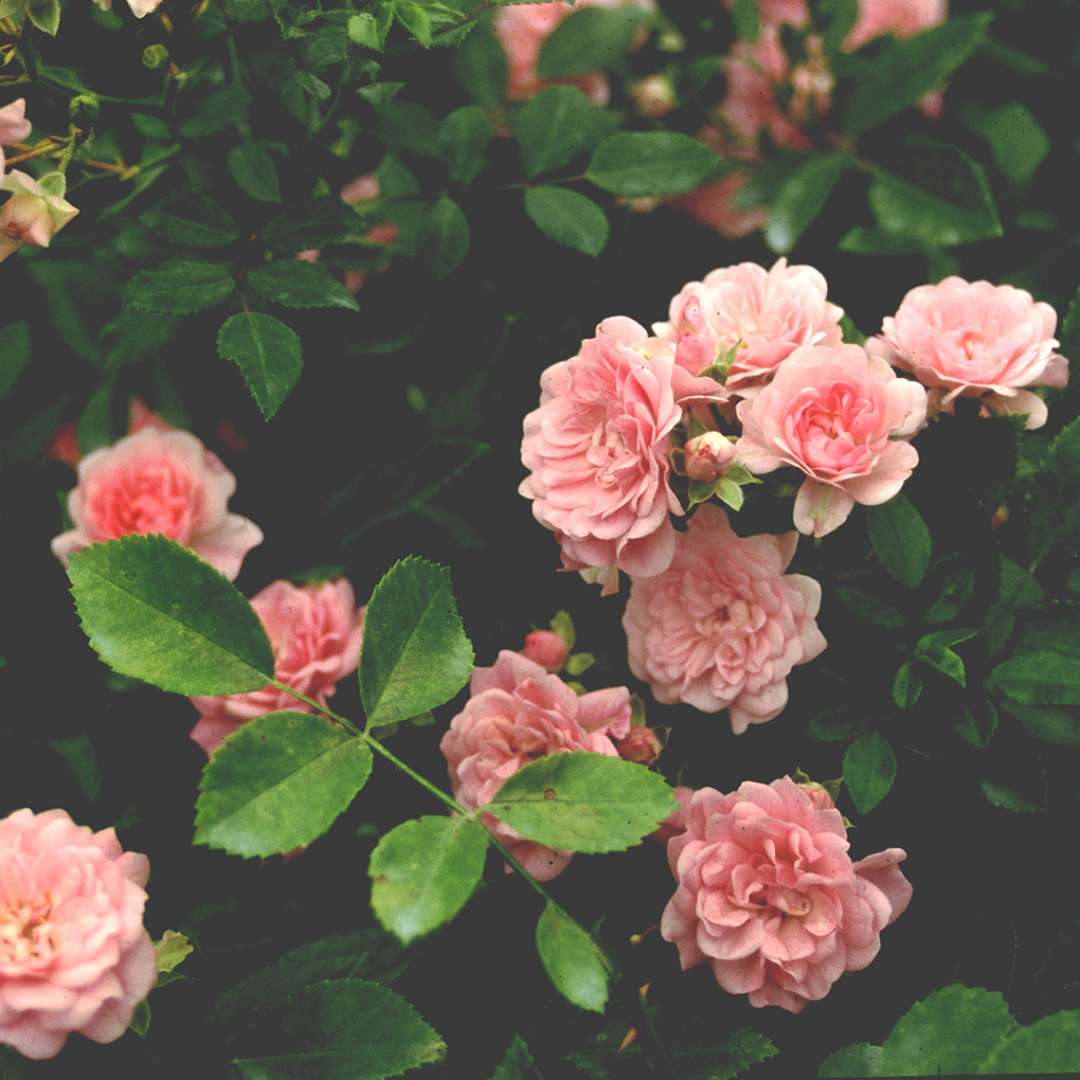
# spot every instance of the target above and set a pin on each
(573, 961)
(268, 353)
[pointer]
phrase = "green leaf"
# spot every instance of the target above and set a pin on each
(95, 427)
(573, 961)
(408, 127)
(1006, 798)
(1070, 343)
(568, 218)
(802, 197)
(1017, 140)
(746, 19)
(423, 873)
(947, 1033)
(268, 354)
(953, 598)
(942, 200)
(1039, 678)
(583, 802)
(180, 287)
(255, 173)
(1050, 725)
(556, 125)
(869, 770)
(368, 954)
(416, 20)
(155, 611)
(859, 1060)
(172, 950)
(367, 31)
(45, 15)
(868, 607)
(220, 109)
(636, 163)
(296, 284)
(562, 622)
(935, 650)
(834, 725)
(977, 727)
(14, 355)
(416, 655)
(900, 539)
(480, 67)
(1047, 1046)
(78, 754)
(862, 240)
(463, 140)
(518, 1063)
(131, 337)
(903, 71)
(346, 1029)
(448, 236)
(907, 686)
(591, 39)
(278, 783)
(186, 217)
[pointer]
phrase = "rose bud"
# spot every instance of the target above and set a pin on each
(818, 794)
(707, 456)
(654, 96)
(546, 648)
(642, 746)
(33, 214)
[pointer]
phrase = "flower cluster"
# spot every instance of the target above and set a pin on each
(749, 374)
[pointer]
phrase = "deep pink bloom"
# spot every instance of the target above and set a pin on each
(158, 482)
(974, 339)
(316, 632)
(546, 648)
(516, 713)
(597, 450)
(769, 897)
(843, 418)
(74, 956)
(764, 315)
(723, 626)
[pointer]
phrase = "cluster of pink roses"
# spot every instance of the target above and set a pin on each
(35, 210)
(748, 374)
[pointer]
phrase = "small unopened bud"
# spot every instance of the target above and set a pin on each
(654, 96)
(154, 56)
(546, 648)
(1000, 517)
(819, 795)
(84, 108)
(707, 456)
(642, 746)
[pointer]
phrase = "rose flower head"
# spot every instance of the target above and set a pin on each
(769, 897)
(74, 955)
(843, 418)
(33, 214)
(157, 481)
(974, 339)
(723, 626)
(517, 713)
(316, 632)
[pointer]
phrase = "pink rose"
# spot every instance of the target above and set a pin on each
(641, 745)
(901, 18)
(597, 451)
(517, 713)
(316, 632)
(546, 648)
(33, 214)
(14, 127)
(158, 482)
(74, 956)
(974, 339)
(794, 12)
(843, 418)
(723, 626)
(714, 206)
(765, 315)
(705, 457)
(769, 897)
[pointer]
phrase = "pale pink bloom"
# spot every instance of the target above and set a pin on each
(723, 626)
(163, 482)
(769, 897)
(308, 255)
(974, 339)
(316, 632)
(597, 449)
(361, 189)
(14, 127)
(705, 457)
(517, 713)
(546, 648)
(641, 745)
(522, 30)
(764, 315)
(714, 205)
(675, 822)
(33, 214)
(844, 419)
(752, 107)
(74, 955)
(794, 12)
(901, 18)
(139, 8)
